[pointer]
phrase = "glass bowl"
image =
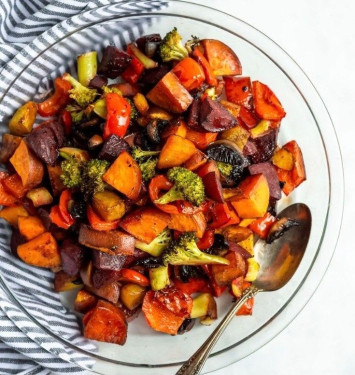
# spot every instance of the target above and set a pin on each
(307, 121)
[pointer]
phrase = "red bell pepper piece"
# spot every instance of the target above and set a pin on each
(262, 225)
(158, 184)
(193, 286)
(134, 70)
(66, 120)
(190, 73)
(58, 100)
(239, 91)
(57, 218)
(118, 115)
(132, 276)
(207, 240)
(247, 118)
(201, 59)
(223, 215)
(217, 289)
(97, 223)
(247, 308)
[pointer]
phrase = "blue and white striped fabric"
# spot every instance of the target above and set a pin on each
(25, 346)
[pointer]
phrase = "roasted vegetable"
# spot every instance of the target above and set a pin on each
(64, 282)
(81, 94)
(187, 185)
(40, 196)
(12, 214)
(22, 121)
(112, 242)
(30, 226)
(139, 154)
(184, 251)
(204, 307)
(114, 62)
(42, 251)
(190, 222)
(112, 148)
(105, 322)
(279, 228)
(72, 171)
(87, 67)
(190, 73)
(108, 205)
(172, 48)
(132, 295)
(157, 246)
(9, 143)
(159, 277)
(224, 274)
(84, 301)
(118, 117)
(72, 256)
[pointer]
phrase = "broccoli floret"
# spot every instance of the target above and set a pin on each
(157, 246)
(81, 94)
(77, 113)
(191, 43)
(148, 168)
(138, 153)
(92, 177)
(172, 48)
(86, 176)
(112, 89)
(72, 170)
(187, 185)
(184, 251)
(134, 112)
(225, 168)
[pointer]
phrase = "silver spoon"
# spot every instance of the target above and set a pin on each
(278, 263)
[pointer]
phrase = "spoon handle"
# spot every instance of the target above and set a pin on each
(194, 364)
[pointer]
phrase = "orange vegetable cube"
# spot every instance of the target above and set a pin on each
(30, 226)
(12, 214)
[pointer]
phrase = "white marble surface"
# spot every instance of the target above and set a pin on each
(320, 36)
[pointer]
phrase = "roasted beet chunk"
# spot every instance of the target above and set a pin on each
(72, 255)
(106, 261)
(114, 62)
(58, 131)
(214, 117)
(151, 77)
(43, 143)
(268, 170)
(261, 149)
(113, 147)
(104, 277)
(148, 44)
(97, 82)
(194, 115)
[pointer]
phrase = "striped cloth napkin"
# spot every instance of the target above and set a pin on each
(26, 347)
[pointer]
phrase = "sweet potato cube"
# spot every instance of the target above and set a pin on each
(188, 223)
(8, 146)
(12, 214)
(224, 274)
(13, 184)
(197, 160)
(107, 323)
(27, 165)
(54, 173)
(145, 224)
(84, 301)
(253, 198)
(42, 251)
(30, 226)
(201, 139)
(125, 176)
(170, 94)
(175, 152)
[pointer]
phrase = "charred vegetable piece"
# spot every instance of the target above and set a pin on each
(132, 295)
(184, 251)
(261, 148)
(158, 245)
(114, 62)
(151, 77)
(112, 147)
(170, 94)
(145, 43)
(8, 146)
(283, 159)
(28, 167)
(84, 301)
(186, 326)
(112, 242)
(222, 58)
(107, 323)
(279, 228)
(22, 121)
(125, 176)
(81, 94)
(187, 185)
(42, 251)
(72, 256)
(97, 82)
(213, 117)
(213, 187)
(147, 62)
(108, 205)
(237, 135)
(105, 261)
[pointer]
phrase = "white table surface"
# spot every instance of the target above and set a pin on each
(320, 36)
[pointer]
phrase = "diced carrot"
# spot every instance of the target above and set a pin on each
(175, 152)
(107, 323)
(42, 251)
(145, 224)
(201, 139)
(125, 176)
(30, 226)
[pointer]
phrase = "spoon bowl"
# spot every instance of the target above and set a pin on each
(278, 261)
